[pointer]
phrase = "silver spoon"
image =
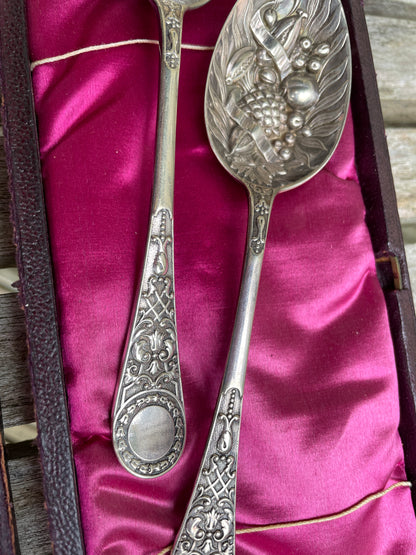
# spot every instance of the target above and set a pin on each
(276, 101)
(148, 411)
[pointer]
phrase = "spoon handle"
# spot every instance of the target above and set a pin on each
(148, 412)
(209, 523)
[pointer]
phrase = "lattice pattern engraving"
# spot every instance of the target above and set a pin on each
(209, 523)
(151, 375)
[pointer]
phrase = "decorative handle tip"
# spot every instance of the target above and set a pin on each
(149, 433)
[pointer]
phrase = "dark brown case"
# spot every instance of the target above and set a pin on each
(36, 287)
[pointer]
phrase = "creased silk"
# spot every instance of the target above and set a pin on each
(320, 416)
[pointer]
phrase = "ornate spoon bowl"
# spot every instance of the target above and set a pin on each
(276, 102)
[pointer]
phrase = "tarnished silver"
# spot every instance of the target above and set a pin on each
(148, 411)
(276, 102)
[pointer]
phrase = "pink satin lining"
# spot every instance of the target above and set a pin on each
(320, 417)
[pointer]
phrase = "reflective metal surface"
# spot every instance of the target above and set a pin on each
(276, 101)
(148, 411)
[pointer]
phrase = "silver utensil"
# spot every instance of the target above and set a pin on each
(148, 411)
(276, 101)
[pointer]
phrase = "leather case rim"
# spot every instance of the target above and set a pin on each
(374, 170)
(36, 282)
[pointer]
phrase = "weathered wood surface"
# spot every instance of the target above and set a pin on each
(30, 512)
(396, 9)
(15, 392)
(402, 147)
(393, 43)
(392, 27)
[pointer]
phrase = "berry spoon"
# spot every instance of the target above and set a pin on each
(276, 101)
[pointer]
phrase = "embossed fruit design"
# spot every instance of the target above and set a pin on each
(273, 88)
(269, 112)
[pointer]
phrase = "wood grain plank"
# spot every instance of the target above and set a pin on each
(402, 148)
(7, 249)
(393, 43)
(397, 9)
(31, 517)
(15, 391)
(8, 535)
(411, 264)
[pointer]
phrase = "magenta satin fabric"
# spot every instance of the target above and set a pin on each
(320, 416)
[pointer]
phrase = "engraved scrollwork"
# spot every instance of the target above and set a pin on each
(153, 351)
(153, 355)
(171, 17)
(209, 524)
(262, 202)
(150, 389)
(277, 98)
